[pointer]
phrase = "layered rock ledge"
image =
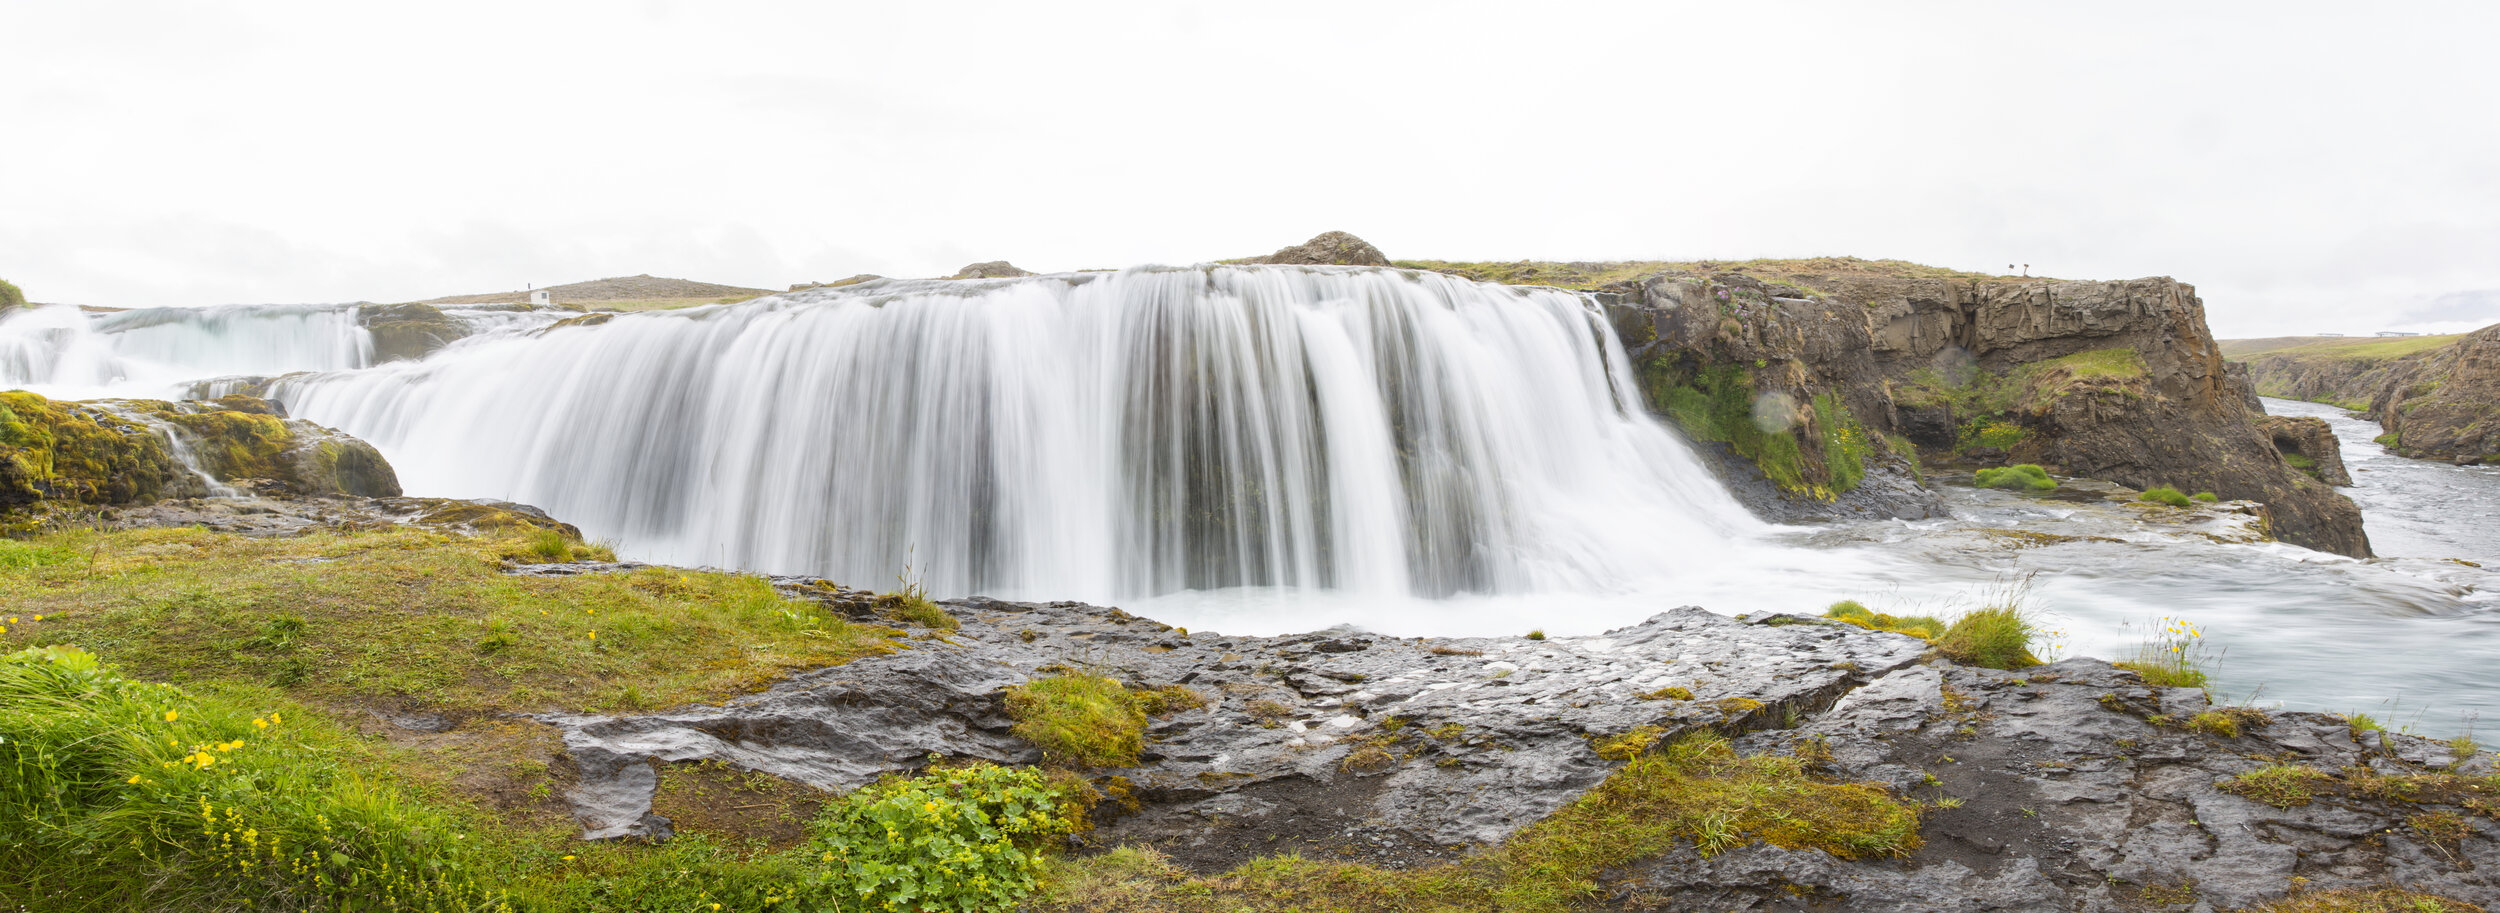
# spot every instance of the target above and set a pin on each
(2068, 787)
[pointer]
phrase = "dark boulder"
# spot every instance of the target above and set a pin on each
(407, 332)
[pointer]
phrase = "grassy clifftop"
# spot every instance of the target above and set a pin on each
(2334, 347)
(1587, 275)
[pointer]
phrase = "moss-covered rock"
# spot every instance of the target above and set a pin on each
(406, 332)
(10, 297)
(74, 452)
(124, 452)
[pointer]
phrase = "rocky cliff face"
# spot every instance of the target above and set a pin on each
(2111, 380)
(2440, 402)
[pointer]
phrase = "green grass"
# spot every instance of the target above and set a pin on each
(2206, 497)
(2164, 494)
(2022, 477)
(1697, 791)
(120, 794)
(2278, 785)
(126, 795)
(2335, 347)
(2119, 363)
(408, 617)
(2363, 900)
(1995, 637)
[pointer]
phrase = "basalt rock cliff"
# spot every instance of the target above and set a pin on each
(2436, 403)
(2111, 380)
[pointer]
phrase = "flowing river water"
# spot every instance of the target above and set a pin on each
(1273, 449)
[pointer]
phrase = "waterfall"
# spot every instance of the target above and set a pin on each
(1091, 435)
(64, 352)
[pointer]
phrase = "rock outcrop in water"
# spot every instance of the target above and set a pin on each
(406, 332)
(2068, 787)
(2440, 402)
(135, 452)
(2309, 444)
(2111, 380)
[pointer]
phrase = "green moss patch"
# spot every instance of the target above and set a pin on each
(1080, 719)
(2164, 494)
(2023, 477)
(1719, 404)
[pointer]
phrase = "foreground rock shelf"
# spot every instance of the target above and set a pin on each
(2072, 786)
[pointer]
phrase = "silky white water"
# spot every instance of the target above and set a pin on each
(64, 353)
(1091, 436)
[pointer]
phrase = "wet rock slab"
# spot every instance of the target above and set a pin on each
(1384, 748)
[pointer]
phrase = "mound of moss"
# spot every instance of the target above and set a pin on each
(2023, 477)
(10, 297)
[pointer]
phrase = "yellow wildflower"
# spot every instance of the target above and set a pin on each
(170, 716)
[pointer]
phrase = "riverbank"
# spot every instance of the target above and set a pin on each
(1332, 771)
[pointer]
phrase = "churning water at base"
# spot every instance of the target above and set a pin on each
(1092, 436)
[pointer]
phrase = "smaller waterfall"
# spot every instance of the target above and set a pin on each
(64, 352)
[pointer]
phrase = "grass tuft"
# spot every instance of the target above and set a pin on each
(2278, 785)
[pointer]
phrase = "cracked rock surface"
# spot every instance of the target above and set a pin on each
(2069, 787)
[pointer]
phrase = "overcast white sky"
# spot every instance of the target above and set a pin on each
(2312, 167)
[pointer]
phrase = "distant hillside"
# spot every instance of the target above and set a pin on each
(620, 293)
(2334, 346)
(2437, 396)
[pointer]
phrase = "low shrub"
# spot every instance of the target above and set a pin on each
(2164, 494)
(2021, 477)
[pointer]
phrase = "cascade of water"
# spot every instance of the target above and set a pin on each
(1086, 435)
(63, 351)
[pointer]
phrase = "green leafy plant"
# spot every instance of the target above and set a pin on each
(2021, 477)
(958, 839)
